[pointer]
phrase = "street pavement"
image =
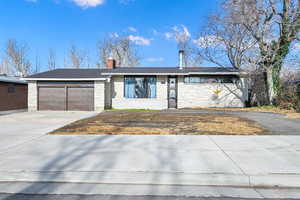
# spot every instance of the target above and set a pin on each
(110, 197)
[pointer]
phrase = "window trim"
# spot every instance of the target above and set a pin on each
(139, 76)
(217, 77)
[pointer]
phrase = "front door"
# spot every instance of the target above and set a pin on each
(172, 92)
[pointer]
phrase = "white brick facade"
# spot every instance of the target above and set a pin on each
(32, 96)
(120, 102)
(99, 95)
(189, 95)
(202, 95)
(111, 95)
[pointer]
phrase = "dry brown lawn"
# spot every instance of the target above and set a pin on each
(271, 109)
(292, 115)
(160, 123)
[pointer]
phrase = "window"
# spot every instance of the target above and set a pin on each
(201, 79)
(228, 80)
(11, 89)
(140, 87)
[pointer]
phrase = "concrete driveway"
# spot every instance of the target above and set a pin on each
(18, 128)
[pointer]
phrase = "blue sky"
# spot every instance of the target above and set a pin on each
(57, 24)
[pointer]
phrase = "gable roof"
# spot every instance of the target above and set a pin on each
(65, 74)
(102, 74)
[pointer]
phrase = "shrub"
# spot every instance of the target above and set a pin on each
(288, 96)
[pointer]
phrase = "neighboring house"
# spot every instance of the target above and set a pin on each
(136, 87)
(13, 93)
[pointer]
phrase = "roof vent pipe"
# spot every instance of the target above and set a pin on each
(181, 55)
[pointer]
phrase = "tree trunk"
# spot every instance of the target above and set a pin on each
(270, 86)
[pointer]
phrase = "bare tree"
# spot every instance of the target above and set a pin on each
(37, 64)
(16, 54)
(274, 25)
(77, 57)
(225, 43)
(51, 59)
(4, 66)
(253, 34)
(185, 43)
(122, 49)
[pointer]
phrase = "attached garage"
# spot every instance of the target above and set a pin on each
(69, 96)
(69, 90)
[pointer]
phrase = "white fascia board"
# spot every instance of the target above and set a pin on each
(177, 74)
(214, 73)
(64, 79)
(118, 74)
(14, 81)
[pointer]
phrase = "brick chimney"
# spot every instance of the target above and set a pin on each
(110, 63)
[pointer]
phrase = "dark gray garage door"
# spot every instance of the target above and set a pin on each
(65, 96)
(52, 98)
(80, 98)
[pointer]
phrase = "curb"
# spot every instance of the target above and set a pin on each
(156, 178)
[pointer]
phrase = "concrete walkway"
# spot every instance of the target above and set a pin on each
(247, 161)
(19, 128)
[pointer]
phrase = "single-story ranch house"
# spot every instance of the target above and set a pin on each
(136, 88)
(13, 93)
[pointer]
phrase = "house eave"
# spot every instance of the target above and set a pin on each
(174, 74)
(14, 82)
(64, 79)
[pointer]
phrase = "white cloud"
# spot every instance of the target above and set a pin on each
(182, 30)
(114, 35)
(180, 33)
(169, 35)
(139, 40)
(88, 3)
(204, 42)
(160, 59)
(132, 29)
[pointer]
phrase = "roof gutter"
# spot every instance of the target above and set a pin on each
(64, 79)
(16, 82)
(182, 74)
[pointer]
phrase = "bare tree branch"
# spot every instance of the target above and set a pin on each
(51, 59)
(16, 54)
(121, 49)
(271, 25)
(77, 57)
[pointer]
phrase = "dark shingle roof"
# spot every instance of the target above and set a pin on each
(69, 73)
(103, 73)
(170, 70)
